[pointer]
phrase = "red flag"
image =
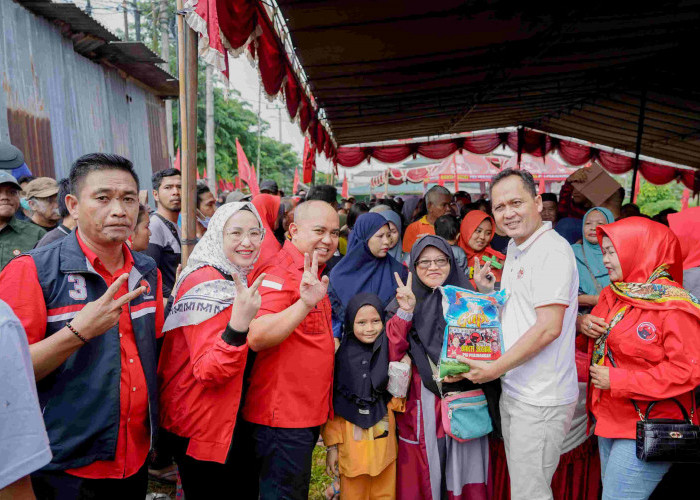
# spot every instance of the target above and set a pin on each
(237, 182)
(222, 186)
(177, 159)
(246, 172)
(346, 192)
(309, 161)
(229, 186)
(295, 187)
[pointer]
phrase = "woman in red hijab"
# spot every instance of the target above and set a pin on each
(475, 235)
(646, 347)
(268, 206)
(686, 225)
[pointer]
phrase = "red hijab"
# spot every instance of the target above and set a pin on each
(469, 224)
(643, 245)
(268, 206)
(686, 225)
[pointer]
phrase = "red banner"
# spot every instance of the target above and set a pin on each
(295, 186)
(246, 172)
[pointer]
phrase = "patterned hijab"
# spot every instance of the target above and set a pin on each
(209, 252)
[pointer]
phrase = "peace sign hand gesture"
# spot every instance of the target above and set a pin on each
(102, 314)
(246, 304)
(483, 277)
(311, 289)
(404, 293)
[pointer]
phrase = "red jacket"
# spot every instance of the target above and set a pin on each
(658, 356)
(201, 379)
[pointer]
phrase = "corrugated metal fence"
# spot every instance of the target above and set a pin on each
(56, 105)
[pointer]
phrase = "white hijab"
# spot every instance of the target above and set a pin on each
(207, 299)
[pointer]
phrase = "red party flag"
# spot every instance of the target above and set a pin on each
(309, 161)
(295, 187)
(246, 171)
(177, 160)
(346, 191)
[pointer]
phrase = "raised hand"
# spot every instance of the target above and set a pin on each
(483, 277)
(311, 289)
(246, 304)
(102, 314)
(404, 293)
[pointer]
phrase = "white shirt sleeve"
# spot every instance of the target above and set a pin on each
(552, 279)
(24, 444)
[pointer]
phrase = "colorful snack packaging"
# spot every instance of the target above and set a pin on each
(399, 378)
(473, 328)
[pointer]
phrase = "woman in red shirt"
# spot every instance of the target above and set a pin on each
(204, 356)
(646, 348)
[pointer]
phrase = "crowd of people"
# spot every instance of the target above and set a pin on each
(119, 364)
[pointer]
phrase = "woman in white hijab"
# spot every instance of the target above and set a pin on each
(202, 363)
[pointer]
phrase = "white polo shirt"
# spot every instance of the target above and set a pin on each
(539, 272)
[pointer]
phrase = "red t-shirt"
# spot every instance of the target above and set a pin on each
(133, 439)
(291, 383)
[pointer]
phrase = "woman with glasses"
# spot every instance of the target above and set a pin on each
(367, 267)
(432, 465)
(204, 356)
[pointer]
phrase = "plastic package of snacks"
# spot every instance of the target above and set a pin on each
(473, 328)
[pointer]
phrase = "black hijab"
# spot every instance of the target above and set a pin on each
(362, 370)
(428, 319)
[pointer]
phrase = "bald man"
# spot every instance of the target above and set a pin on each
(289, 396)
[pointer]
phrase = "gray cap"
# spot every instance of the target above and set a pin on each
(10, 156)
(237, 196)
(269, 185)
(6, 178)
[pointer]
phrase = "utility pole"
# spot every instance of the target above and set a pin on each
(165, 55)
(209, 130)
(88, 8)
(126, 21)
(279, 118)
(137, 21)
(259, 130)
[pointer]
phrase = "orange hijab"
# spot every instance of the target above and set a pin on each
(469, 224)
(268, 206)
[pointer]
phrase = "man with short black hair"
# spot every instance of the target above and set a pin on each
(323, 192)
(549, 207)
(67, 223)
(164, 245)
(206, 206)
(24, 180)
(16, 236)
(539, 381)
(91, 310)
(438, 202)
(41, 194)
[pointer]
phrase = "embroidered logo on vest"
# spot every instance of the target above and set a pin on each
(646, 331)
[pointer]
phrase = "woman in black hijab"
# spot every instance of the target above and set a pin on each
(459, 469)
(361, 438)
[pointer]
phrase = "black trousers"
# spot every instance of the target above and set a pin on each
(284, 457)
(58, 485)
(204, 480)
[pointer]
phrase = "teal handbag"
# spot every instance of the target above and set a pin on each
(465, 415)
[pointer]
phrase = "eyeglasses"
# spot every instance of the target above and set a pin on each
(255, 235)
(425, 263)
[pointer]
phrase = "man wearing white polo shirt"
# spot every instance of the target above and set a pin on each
(539, 327)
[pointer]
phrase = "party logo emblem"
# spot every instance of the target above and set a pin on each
(646, 331)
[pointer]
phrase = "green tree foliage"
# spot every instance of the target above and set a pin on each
(652, 199)
(233, 117)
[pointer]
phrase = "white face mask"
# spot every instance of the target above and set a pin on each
(204, 221)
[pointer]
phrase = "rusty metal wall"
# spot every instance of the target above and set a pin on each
(63, 105)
